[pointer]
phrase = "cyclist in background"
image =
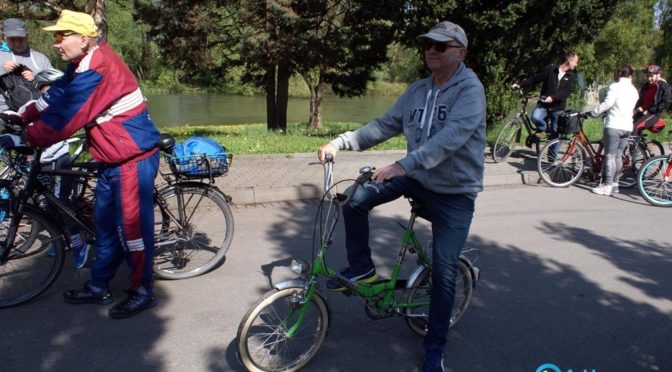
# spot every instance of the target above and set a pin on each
(557, 85)
(655, 96)
(57, 156)
(619, 103)
(18, 52)
(443, 119)
(100, 94)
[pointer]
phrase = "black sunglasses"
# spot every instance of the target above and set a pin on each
(439, 47)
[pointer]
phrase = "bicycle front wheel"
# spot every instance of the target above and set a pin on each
(654, 181)
(282, 332)
(29, 269)
(193, 230)
(560, 162)
(418, 298)
(506, 140)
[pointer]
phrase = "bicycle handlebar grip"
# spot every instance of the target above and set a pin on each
(329, 157)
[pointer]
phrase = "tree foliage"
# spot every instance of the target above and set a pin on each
(509, 40)
(663, 50)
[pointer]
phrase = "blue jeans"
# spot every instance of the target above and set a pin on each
(451, 216)
(539, 115)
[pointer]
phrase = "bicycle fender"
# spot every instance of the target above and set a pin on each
(414, 276)
(294, 283)
(211, 188)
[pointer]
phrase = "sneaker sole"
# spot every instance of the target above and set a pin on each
(75, 301)
(130, 314)
(360, 281)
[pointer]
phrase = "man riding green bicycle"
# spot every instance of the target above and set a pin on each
(443, 119)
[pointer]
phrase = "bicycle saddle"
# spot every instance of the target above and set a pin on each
(166, 142)
(418, 208)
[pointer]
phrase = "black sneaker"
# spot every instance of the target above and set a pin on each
(87, 296)
(368, 277)
(134, 303)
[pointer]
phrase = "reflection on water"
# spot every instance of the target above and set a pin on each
(175, 110)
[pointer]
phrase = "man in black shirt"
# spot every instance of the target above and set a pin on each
(557, 84)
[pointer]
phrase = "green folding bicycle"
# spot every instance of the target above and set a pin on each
(285, 329)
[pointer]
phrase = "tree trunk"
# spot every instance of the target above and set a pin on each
(98, 10)
(271, 123)
(316, 95)
(282, 96)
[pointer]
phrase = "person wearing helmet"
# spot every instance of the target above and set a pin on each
(655, 96)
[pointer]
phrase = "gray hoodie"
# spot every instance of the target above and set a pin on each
(446, 146)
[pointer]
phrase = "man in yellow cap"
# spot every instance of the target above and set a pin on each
(100, 94)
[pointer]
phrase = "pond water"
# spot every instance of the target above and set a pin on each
(179, 109)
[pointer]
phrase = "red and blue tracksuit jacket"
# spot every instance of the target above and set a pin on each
(99, 94)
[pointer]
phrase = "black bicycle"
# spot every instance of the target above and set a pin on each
(511, 133)
(193, 220)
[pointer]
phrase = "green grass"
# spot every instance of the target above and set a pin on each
(593, 129)
(242, 139)
(245, 139)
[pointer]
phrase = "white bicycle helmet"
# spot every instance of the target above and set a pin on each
(46, 77)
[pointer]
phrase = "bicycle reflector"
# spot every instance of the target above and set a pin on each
(299, 266)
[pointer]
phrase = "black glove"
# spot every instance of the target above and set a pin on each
(587, 114)
(12, 119)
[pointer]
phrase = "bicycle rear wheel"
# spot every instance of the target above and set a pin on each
(633, 157)
(654, 181)
(560, 162)
(418, 298)
(506, 140)
(29, 269)
(276, 335)
(654, 148)
(195, 241)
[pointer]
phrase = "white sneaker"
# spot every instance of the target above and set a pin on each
(614, 187)
(603, 190)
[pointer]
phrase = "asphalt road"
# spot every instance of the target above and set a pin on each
(570, 278)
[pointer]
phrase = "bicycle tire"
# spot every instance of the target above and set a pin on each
(29, 270)
(197, 245)
(654, 148)
(634, 156)
(417, 316)
(262, 339)
(506, 140)
(563, 169)
(654, 181)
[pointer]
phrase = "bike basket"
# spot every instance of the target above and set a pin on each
(569, 122)
(200, 166)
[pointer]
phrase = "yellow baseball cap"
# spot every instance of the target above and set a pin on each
(80, 23)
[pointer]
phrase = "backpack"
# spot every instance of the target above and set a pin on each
(16, 90)
(200, 156)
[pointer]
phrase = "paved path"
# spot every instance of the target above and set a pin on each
(256, 179)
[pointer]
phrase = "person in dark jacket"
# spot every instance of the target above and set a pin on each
(655, 96)
(558, 82)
